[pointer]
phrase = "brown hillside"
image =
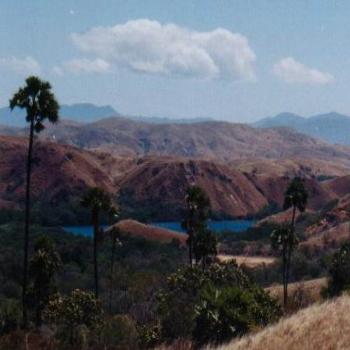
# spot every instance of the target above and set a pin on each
(213, 140)
(153, 233)
(58, 171)
(154, 186)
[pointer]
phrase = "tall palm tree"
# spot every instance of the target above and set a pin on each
(98, 201)
(114, 233)
(283, 239)
(40, 105)
(43, 267)
(197, 212)
(296, 198)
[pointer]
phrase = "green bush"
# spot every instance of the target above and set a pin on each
(187, 292)
(223, 314)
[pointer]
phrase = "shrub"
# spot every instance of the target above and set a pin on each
(187, 291)
(9, 316)
(119, 330)
(223, 314)
(74, 316)
(339, 279)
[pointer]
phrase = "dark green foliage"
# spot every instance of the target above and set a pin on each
(140, 270)
(339, 272)
(185, 292)
(223, 314)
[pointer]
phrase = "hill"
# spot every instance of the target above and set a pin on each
(73, 171)
(153, 233)
(79, 112)
(211, 140)
(153, 188)
(331, 127)
(319, 327)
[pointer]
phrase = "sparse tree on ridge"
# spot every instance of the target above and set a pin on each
(284, 239)
(197, 212)
(97, 200)
(296, 198)
(40, 105)
(114, 233)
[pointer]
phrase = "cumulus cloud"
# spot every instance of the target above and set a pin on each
(27, 65)
(84, 65)
(292, 71)
(167, 49)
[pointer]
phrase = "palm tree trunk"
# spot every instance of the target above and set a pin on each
(26, 226)
(111, 272)
(285, 287)
(190, 246)
(96, 231)
(290, 248)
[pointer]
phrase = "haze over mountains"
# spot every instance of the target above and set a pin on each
(79, 112)
(331, 127)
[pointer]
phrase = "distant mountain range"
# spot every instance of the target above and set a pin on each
(88, 113)
(79, 112)
(331, 127)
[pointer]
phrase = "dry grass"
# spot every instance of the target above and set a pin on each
(311, 287)
(153, 233)
(319, 327)
(249, 261)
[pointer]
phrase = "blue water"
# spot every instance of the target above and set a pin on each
(218, 226)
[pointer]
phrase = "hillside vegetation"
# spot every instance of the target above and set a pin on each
(323, 326)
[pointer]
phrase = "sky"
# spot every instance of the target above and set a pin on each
(235, 60)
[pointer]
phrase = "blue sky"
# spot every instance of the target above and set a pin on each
(226, 59)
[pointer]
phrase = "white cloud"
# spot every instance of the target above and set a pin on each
(84, 65)
(27, 65)
(167, 49)
(292, 71)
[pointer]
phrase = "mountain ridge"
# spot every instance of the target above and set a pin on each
(332, 127)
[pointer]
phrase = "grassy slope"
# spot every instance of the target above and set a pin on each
(318, 327)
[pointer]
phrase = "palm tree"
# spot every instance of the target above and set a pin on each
(114, 233)
(43, 266)
(197, 212)
(296, 198)
(98, 201)
(40, 104)
(283, 238)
